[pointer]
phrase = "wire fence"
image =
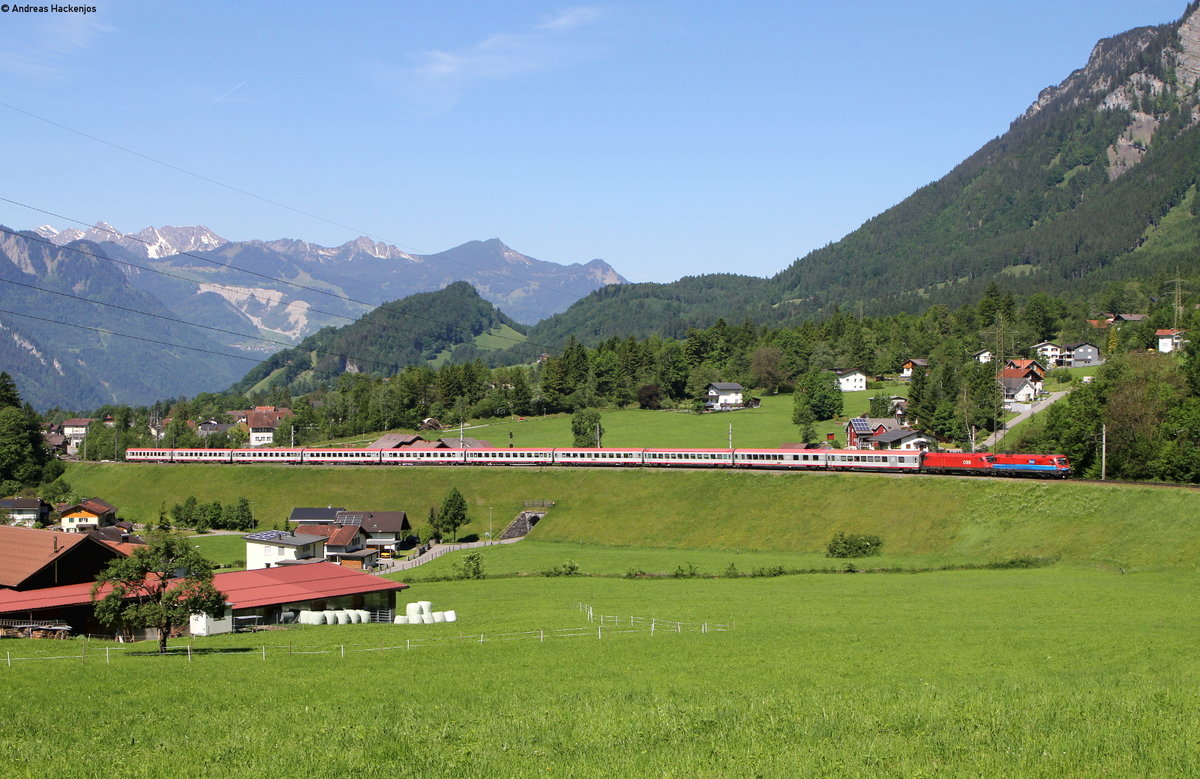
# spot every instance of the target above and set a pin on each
(600, 627)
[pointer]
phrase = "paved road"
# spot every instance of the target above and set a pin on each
(1041, 405)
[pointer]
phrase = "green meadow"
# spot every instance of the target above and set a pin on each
(929, 519)
(919, 662)
(1047, 672)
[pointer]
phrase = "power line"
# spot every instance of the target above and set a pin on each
(268, 277)
(177, 276)
(276, 203)
(104, 331)
(196, 324)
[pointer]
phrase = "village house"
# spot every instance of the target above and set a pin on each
(385, 531)
(861, 431)
(982, 356)
(1048, 352)
(1169, 340)
(26, 512)
(903, 439)
(75, 430)
(88, 514)
(908, 366)
(1079, 355)
(261, 422)
(345, 545)
(851, 380)
(723, 396)
(1017, 389)
(272, 548)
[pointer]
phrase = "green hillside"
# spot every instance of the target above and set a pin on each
(926, 518)
(412, 331)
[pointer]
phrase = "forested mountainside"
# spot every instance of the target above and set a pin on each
(416, 330)
(1094, 185)
(62, 311)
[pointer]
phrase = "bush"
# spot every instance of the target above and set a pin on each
(568, 568)
(470, 567)
(686, 571)
(855, 545)
(731, 572)
(771, 570)
(634, 573)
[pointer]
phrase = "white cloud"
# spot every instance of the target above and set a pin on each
(45, 46)
(438, 78)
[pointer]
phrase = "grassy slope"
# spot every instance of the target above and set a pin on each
(1054, 672)
(947, 519)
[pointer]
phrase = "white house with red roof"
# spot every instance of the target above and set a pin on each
(1169, 340)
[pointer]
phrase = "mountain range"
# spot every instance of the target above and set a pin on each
(68, 293)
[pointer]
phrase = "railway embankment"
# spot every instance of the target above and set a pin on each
(1133, 527)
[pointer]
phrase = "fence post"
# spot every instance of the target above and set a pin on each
(343, 651)
(264, 649)
(704, 628)
(652, 626)
(106, 658)
(543, 632)
(9, 659)
(189, 653)
(481, 638)
(598, 629)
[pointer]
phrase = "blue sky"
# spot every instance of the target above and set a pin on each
(667, 138)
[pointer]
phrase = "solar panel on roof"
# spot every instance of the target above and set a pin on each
(860, 425)
(350, 519)
(264, 535)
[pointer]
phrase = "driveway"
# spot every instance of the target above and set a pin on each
(1029, 411)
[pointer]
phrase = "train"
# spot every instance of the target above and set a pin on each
(881, 461)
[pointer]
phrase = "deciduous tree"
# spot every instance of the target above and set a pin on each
(159, 586)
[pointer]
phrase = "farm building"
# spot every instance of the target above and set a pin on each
(263, 597)
(33, 559)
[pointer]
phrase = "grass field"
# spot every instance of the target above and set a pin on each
(223, 550)
(944, 518)
(1047, 672)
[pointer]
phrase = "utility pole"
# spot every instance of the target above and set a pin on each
(597, 435)
(731, 436)
(1103, 452)
(489, 524)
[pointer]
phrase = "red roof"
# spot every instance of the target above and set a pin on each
(25, 551)
(243, 589)
(1167, 332)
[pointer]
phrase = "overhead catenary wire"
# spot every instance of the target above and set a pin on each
(263, 199)
(284, 344)
(209, 260)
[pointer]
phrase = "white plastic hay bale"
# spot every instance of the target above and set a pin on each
(364, 615)
(354, 616)
(439, 616)
(400, 621)
(426, 606)
(427, 619)
(451, 616)
(316, 618)
(305, 617)
(330, 617)
(413, 610)
(342, 617)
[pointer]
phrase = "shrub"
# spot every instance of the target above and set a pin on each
(634, 573)
(771, 570)
(568, 568)
(686, 571)
(731, 572)
(855, 545)
(470, 567)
